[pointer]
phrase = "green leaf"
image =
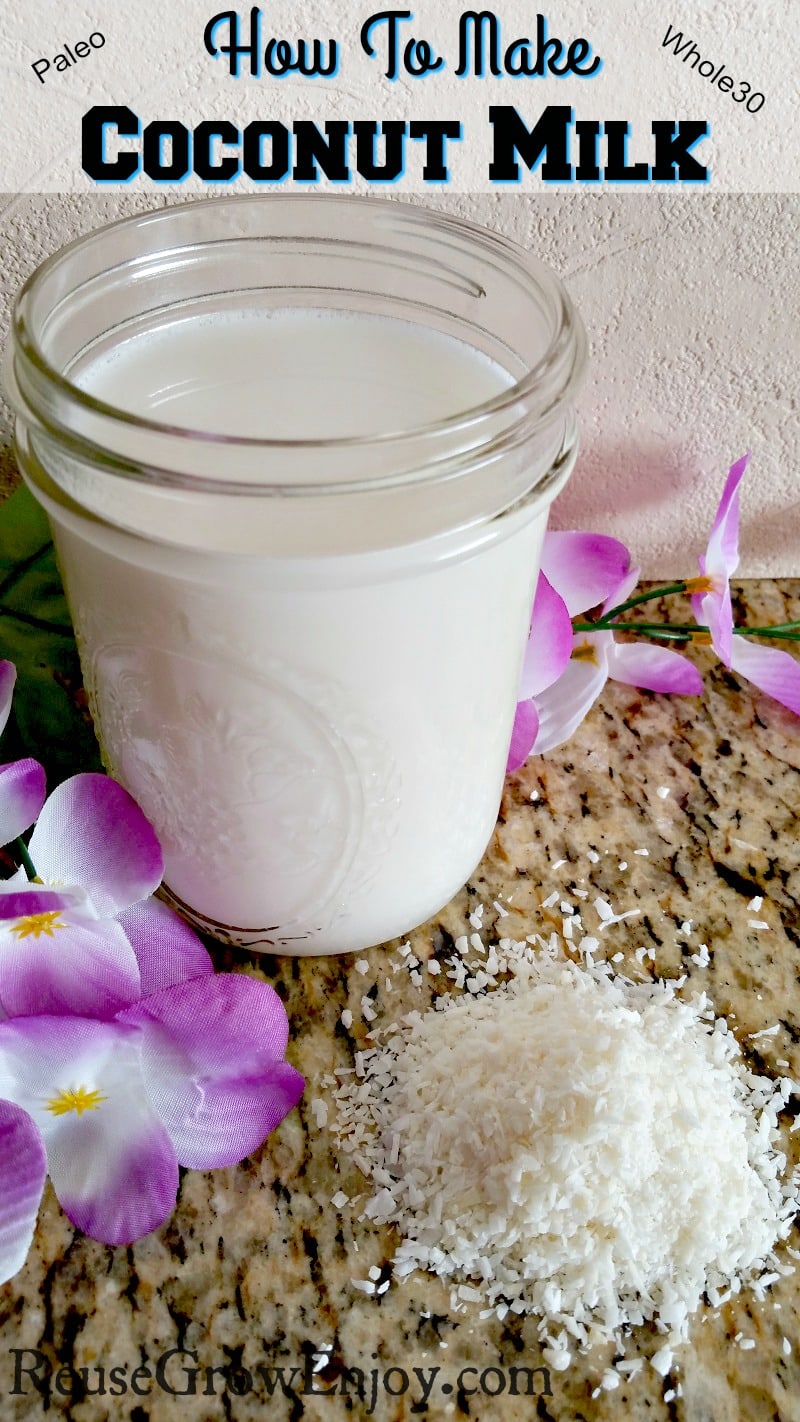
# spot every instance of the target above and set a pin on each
(49, 718)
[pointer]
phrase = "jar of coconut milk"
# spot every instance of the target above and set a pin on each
(297, 454)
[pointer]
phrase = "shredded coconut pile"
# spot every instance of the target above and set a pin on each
(575, 1145)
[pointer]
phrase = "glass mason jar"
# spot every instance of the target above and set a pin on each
(301, 644)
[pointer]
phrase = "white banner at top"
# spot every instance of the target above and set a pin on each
(642, 96)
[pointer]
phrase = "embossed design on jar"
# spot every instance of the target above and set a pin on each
(172, 724)
(265, 940)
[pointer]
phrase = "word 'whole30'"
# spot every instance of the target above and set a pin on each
(119, 146)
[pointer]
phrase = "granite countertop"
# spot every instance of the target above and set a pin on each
(255, 1266)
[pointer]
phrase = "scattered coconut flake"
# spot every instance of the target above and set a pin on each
(534, 795)
(670, 1394)
(361, 966)
(434, 966)
(503, 912)
(592, 856)
(623, 864)
(787, 1348)
(644, 852)
(367, 1010)
(551, 899)
(746, 1344)
(755, 904)
(339, 1200)
(366, 1286)
(759, 924)
(662, 792)
(558, 864)
(620, 918)
(702, 957)
(346, 1018)
(558, 1359)
(662, 1360)
(629, 1367)
(319, 1110)
(765, 1032)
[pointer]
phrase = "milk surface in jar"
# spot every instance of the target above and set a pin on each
(300, 572)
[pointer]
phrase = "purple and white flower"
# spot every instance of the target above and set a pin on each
(122, 1055)
(771, 670)
(191, 1075)
(90, 938)
(580, 570)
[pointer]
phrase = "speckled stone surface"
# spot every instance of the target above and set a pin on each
(254, 1268)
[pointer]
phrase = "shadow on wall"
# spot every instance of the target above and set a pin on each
(632, 491)
(628, 476)
(778, 530)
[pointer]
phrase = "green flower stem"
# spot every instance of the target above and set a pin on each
(637, 602)
(26, 861)
(689, 629)
(669, 631)
(781, 629)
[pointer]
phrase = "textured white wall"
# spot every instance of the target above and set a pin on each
(692, 312)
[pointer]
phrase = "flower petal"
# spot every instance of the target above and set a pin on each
(212, 1059)
(91, 832)
(22, 792)
(23, 1170)
(549, 643)
(523, 734)
(654, 668)
(563, 706)
(773, 671)
(722, 555)
(714, 610)
(584, 568)
(110, 1159)
(63, 961)
(8, 676)
(167, 950)
(622, 591)
(19, 898)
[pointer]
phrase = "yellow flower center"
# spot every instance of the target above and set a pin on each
(585, 653)
(79, 1101)
(702, 584)
(37, 924)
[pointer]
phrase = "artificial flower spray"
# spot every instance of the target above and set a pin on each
(568, 660)
(122, 1054)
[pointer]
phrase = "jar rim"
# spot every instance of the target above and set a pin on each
(545, 377)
